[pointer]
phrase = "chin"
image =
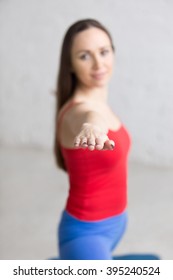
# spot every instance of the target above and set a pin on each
(101, 82)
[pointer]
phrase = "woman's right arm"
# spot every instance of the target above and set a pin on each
(89, 128)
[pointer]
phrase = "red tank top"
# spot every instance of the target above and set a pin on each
(98, 179)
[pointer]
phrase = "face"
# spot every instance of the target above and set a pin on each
(92, 58)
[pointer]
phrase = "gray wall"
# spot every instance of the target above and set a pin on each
(141, 91)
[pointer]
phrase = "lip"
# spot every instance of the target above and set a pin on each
(98, 76)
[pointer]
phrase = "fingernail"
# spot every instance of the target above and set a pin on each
(75, 144)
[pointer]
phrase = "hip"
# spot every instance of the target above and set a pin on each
(71, 227)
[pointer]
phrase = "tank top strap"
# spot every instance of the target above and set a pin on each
(64, 110)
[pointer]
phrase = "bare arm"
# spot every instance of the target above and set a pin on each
(89, 128)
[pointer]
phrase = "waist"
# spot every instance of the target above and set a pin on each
(98, 207)
(66, 216)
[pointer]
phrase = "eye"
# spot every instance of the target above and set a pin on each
(104, 52)
(84, 56)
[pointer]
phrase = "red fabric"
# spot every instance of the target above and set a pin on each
(98, 179)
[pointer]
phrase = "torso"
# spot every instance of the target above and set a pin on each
(98, 179)
(113, 122)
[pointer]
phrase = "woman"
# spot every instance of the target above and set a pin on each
(91, 145)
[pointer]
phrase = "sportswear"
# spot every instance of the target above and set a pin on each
(97, 179)
(79, 240)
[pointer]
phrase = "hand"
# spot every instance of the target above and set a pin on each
(92, 137)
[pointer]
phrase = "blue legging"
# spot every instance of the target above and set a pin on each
(80, 240)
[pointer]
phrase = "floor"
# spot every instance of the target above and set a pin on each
(33, 193)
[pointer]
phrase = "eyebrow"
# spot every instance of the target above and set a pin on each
(88, 51)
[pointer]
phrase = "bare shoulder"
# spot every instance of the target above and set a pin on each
(73, 110)
(71, 115)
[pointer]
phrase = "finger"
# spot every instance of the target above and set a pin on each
(112, 144)
(99, 143)
(76, 141)
(91, 143)
(109, 145)
(84, 142)
(91, 147)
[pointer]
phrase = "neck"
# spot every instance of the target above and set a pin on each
(98, 95)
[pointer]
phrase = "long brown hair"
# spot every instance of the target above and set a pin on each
(66, 82)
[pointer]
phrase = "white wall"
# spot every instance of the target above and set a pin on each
(141, 91)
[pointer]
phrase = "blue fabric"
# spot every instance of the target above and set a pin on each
(81, 240)
(128, 257)
(137, 257)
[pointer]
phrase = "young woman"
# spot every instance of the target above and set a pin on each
(91, 145)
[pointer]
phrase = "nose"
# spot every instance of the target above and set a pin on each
(96, 62)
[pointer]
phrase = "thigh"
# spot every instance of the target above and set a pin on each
(86, 248)
(119, 230)
(89, 240)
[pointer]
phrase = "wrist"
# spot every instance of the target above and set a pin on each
(96, 127)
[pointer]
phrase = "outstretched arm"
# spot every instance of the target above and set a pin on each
(89, 128)
(93, 137)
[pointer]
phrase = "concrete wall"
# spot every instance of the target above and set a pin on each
(141, 91)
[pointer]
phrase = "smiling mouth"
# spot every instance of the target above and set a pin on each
(98, 76)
